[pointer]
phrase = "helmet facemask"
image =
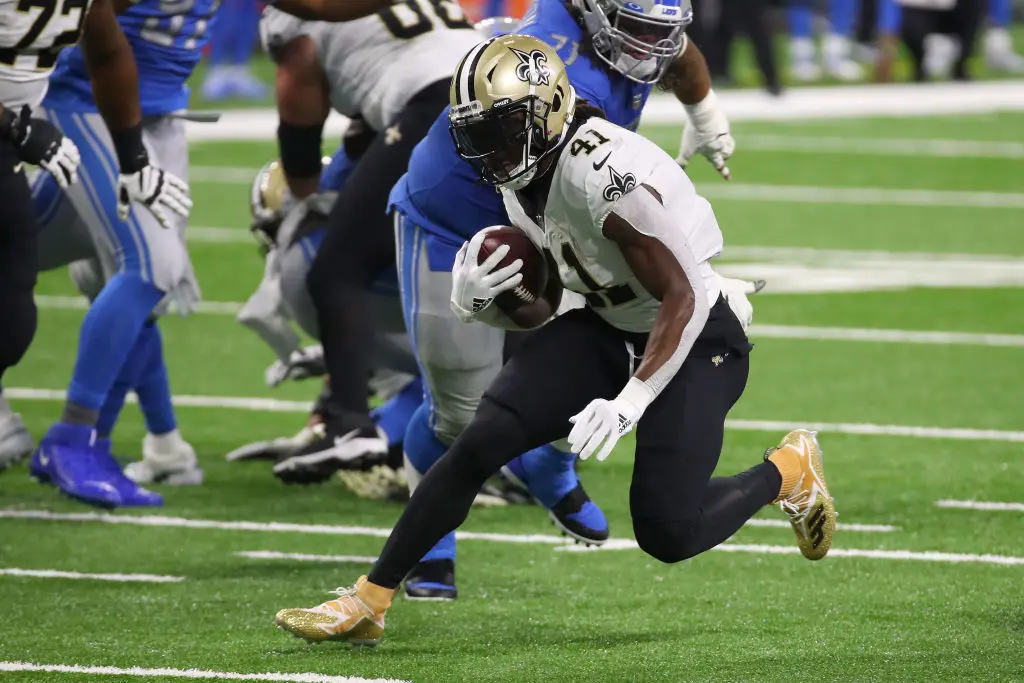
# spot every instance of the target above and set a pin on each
(638, 44)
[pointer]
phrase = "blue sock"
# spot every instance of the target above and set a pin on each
(1000, 13)
(800, 21)
(132, 369)
(550, 474)
(423, 449)
(108, 334)
(152, 385)
(841, 16)
(244, 39)
(889, 15)
(393, 415)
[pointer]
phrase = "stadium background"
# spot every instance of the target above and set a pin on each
(889, 223)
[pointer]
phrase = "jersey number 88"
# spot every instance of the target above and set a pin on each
(413, 18)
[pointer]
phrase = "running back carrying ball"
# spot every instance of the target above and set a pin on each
(534, 270)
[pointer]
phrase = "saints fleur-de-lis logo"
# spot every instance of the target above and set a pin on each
(621, 184)
(533, 67)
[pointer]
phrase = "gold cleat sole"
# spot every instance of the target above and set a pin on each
(814, 532)
(307, 626)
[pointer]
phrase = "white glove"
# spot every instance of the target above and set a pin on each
(156, 188)
(604, 421)
(707, 133)
(63, 163)
(474, 285)
(735, 293)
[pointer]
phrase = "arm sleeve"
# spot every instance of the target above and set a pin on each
(645, 213)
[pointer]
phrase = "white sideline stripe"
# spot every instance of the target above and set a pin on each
(332, 530)
(814, 103)
(876, 335)
(921, 556)
(304, 557)
(797, 194)
(961, 149)
(55, 574)
(189, 673)
(980, 505)
(807, 332)
(81, 303)
(863, 429)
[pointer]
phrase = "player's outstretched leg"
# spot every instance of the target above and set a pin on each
(550, 476)
(804, 496)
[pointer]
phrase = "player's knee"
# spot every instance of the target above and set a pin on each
(668, 542)
(451, 421)
(494, 437)
(18, 320)
(87, 276)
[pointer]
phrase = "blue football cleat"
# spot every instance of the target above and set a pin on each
(132, 495)
(432, 580)
(547, 474)
(67, 458)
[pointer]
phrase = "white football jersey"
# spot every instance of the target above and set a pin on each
(32, 34)
(600, 164)
(374, 65)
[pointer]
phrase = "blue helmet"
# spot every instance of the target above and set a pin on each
(637, 38)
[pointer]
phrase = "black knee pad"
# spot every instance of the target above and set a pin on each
(18, 321)
(667, 542)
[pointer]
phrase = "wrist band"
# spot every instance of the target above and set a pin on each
(131, 153)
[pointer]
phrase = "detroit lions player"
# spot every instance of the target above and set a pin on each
(31, 38)
(142, 253)
(615, 52)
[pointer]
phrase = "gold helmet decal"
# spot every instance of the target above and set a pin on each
(512, 105)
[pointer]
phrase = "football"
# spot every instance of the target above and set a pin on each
(534, 270)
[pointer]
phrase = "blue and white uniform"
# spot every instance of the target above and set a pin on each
(141, 265)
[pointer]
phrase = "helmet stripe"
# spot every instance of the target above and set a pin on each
(467, 71)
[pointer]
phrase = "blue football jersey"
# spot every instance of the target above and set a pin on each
(167, 38)
(443, 194)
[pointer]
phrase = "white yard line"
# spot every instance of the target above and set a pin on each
(334, 530)
(875, 335)
(188, 673)
(921, 556)
(980, 505)
(304, 557)
(56, 574)
(957, 149)
(864, 429)
(809, 332)
(862, 196)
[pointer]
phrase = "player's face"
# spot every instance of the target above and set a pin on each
(500, 143)
(645, 35)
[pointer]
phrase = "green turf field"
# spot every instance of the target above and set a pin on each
(886, 311)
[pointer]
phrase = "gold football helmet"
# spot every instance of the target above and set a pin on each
(266, 201)
(512, 106)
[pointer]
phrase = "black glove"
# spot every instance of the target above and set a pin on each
(39, 142)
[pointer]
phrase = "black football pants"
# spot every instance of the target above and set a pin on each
(358, 247)
(18, 261)
(678, 509)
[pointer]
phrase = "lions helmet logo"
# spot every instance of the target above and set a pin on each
(533, 67)
(621, 183)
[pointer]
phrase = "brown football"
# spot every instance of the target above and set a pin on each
(534, 270)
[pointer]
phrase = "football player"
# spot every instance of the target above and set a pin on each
(392, 68)
(31, 38)
(655, 347)
(615, 53)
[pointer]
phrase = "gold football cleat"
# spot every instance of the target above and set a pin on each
(347, 618)
(809, 506)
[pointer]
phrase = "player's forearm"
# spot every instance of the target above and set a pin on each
(115, 82)
(302, 105)
(331, 10)
(689, 76)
